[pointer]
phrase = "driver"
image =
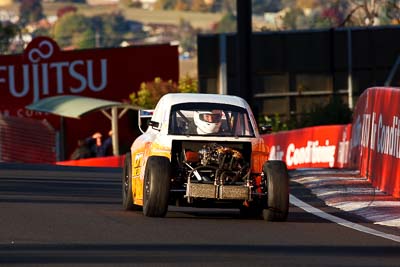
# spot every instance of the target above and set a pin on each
(207, 122)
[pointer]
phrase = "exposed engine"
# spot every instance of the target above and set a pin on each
(218, 164)
(224, 157)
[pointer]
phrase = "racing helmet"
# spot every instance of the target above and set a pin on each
(207, 122)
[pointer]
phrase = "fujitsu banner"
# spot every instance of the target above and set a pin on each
(375, 146)
(44, 70)
(313, 147)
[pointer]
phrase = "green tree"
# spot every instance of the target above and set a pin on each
(225, 6)
(106, 30)
(187, 36)
(335, 112)
(392, 12)
(294, 19)
(30, 11)
(275, 121)
(150, 92)
(165, 4)
(7, 32)
(74, 29)
(41, 32)
(110, 28)
(227, 23)
(130, 3)
(188, 85)
(85, 40)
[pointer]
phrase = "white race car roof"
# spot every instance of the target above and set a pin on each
(178, 98)
(163, 109)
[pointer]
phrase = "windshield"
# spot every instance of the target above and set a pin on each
(210, 119)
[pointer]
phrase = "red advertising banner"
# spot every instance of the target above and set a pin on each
(375, 147)
(44, 70)
(313, 147)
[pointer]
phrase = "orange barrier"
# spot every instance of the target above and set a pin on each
(313, 147)
(112, 161)
(375, 145)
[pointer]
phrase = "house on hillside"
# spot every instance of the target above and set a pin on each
(274, 20)
(8, 16)
(147, 4)
(101, 2)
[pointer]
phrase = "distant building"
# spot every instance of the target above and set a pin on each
(274, 20)
(146, 4)
(294, 71)
(8, 16)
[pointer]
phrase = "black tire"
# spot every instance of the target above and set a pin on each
(156, 186)
(127, 197)
(277, 178)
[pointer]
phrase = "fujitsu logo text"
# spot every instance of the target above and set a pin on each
(39, 76)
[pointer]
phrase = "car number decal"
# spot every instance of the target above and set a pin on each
(137, 164)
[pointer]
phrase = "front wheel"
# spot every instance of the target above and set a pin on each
(156, 186)
(277, 178)
(127, 196)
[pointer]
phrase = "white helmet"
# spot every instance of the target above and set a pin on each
(207, 122)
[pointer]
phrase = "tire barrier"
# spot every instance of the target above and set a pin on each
(26, 140)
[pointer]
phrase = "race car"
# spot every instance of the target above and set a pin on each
(204, 150)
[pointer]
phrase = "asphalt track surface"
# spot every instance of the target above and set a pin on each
(63, 216)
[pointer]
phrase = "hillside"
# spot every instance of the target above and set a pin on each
(198, 20)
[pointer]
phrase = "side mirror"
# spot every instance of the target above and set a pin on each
(144, 115)
(265, 129)
(155, 125)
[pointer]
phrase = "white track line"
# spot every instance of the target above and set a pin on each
(317, 212)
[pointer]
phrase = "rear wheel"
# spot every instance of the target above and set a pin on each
(277, 179)
(127, 197)
(156, 186)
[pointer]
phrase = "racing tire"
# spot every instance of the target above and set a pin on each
(127, 197)
(277, 179)
(156, 186)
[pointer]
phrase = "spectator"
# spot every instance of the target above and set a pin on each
(82, 151)
(97, 146)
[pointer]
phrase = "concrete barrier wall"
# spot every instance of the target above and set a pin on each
(313, 147)
(375, 141)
